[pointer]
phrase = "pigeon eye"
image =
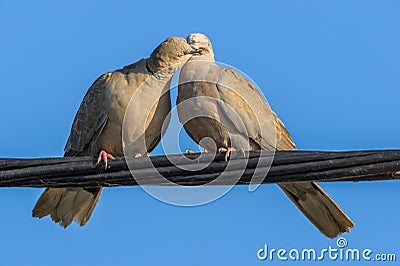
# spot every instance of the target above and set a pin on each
(181, 54)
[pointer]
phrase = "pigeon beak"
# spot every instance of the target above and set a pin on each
(195, 51)
(193, 45)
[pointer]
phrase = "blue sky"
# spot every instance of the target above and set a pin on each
(329, 69)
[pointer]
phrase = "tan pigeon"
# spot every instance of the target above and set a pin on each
(235, 114)
(98, 125)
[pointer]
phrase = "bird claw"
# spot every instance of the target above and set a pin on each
(139, 155)
(242, 151)
(229, 150)
(190, 152)
(193, 152)
(104, 156)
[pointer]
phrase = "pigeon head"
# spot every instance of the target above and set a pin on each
(201, 44)
(173, 51)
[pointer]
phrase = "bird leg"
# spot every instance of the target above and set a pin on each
(104, 156)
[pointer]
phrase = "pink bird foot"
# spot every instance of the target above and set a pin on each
(104, 156)
(229, 150)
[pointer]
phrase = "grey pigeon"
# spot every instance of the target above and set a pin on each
(98, 125)
(235, 114)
